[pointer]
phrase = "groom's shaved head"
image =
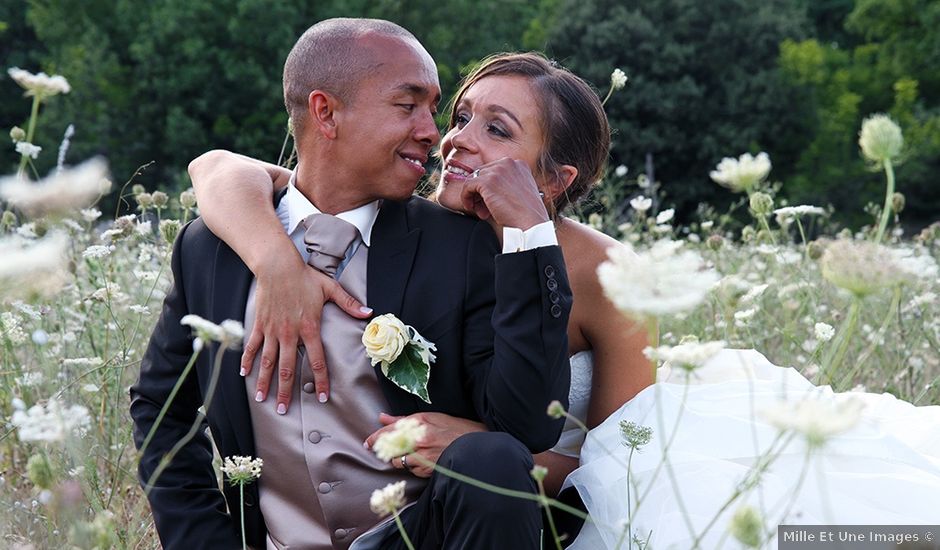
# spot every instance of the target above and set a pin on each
(327, 58)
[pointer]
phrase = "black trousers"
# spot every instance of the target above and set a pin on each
(453, 515)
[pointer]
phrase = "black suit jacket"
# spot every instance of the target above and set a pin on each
(502, 355)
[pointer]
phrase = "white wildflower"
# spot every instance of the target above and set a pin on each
(743, 173)
(707, 224)
(146, 276)
(688, 355)
(140, 310)
(789, 212)
(50, 422)
(11, 329)
(389, 499)
(824, 331)
(90, 214)
(880, 138)
(29, 379)
(643, 181)
(28, 149)
(144, 228)
(41, 84)
(745, 315)
(754, 293)
(241, 470)
(860, 267)
(620, 171)
(665, 215)
(40, 337)
(229, 333)
(97, 251)
(90, 388)
(659, 281)
(37, 266)
(920, 266)
(27, 230)
(641, 203)
(816, 419)
(109, 292)
(58, 193)
(399, 441)
(618, 79)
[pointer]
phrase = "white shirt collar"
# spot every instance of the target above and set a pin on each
(299, 207)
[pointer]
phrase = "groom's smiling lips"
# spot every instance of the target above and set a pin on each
(416, 161)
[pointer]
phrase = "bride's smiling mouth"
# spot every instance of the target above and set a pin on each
(455, 171)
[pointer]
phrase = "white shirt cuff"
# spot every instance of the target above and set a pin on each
(517, 240)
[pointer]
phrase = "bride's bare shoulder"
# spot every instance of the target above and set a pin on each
(584, 247)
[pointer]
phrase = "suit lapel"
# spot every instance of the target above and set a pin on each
(391, 258)
(231, 282)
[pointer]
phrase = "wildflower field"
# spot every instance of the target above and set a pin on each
(80, 291)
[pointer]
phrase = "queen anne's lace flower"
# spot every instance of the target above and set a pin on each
(41, 84)
(50, 422)
(64, 190)
(660, 281)
(788, 212)
(618, 79)
(641, 203)
(742, 173)
(860, 267)
(880, 138)
(689, 355)
(399, 441)
(824, 331)
(242, 470)
(815, 419)
(229, 332)
(389, 499)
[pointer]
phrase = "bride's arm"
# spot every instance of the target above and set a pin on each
(235, 197)
(620, 368)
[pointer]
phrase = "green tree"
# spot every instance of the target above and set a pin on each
(704, 83)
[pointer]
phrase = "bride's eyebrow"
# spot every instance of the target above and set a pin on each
(502, 110)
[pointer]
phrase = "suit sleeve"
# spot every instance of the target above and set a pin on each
(516, 338)
(188, 509)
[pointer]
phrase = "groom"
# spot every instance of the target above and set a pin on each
(361, 95)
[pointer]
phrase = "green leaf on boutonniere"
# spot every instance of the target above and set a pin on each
(410, 372)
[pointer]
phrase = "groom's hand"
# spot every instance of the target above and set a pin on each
(440, 431)
(289, 302)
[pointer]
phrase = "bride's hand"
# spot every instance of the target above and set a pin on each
(289, 300)
(506, 191)
(440, 431)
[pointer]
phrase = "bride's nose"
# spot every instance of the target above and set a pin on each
(464, 138)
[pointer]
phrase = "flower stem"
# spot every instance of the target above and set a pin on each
(401, 529)
(889, 193)
(241, 509)
(836, 353)
(169, 401)
(30, 131)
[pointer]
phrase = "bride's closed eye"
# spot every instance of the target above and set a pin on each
(462, 119)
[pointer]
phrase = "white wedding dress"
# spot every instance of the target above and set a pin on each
(885, 470)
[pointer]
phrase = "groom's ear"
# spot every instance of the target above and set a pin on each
(321, 107)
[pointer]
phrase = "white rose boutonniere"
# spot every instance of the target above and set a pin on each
(405, 356)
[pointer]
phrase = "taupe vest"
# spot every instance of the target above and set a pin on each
(317, 476)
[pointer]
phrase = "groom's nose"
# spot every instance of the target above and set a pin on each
(426, 130)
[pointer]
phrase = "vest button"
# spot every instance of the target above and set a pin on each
(308, 387)
(324, 488)
(340, 533)
(314, 437)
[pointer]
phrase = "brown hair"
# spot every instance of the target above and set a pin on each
(326, 57)
(575, 130)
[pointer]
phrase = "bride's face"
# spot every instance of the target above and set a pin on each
(497, 117)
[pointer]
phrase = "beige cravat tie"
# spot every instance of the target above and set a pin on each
(328, 238)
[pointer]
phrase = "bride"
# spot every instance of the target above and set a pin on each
(510, 108)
